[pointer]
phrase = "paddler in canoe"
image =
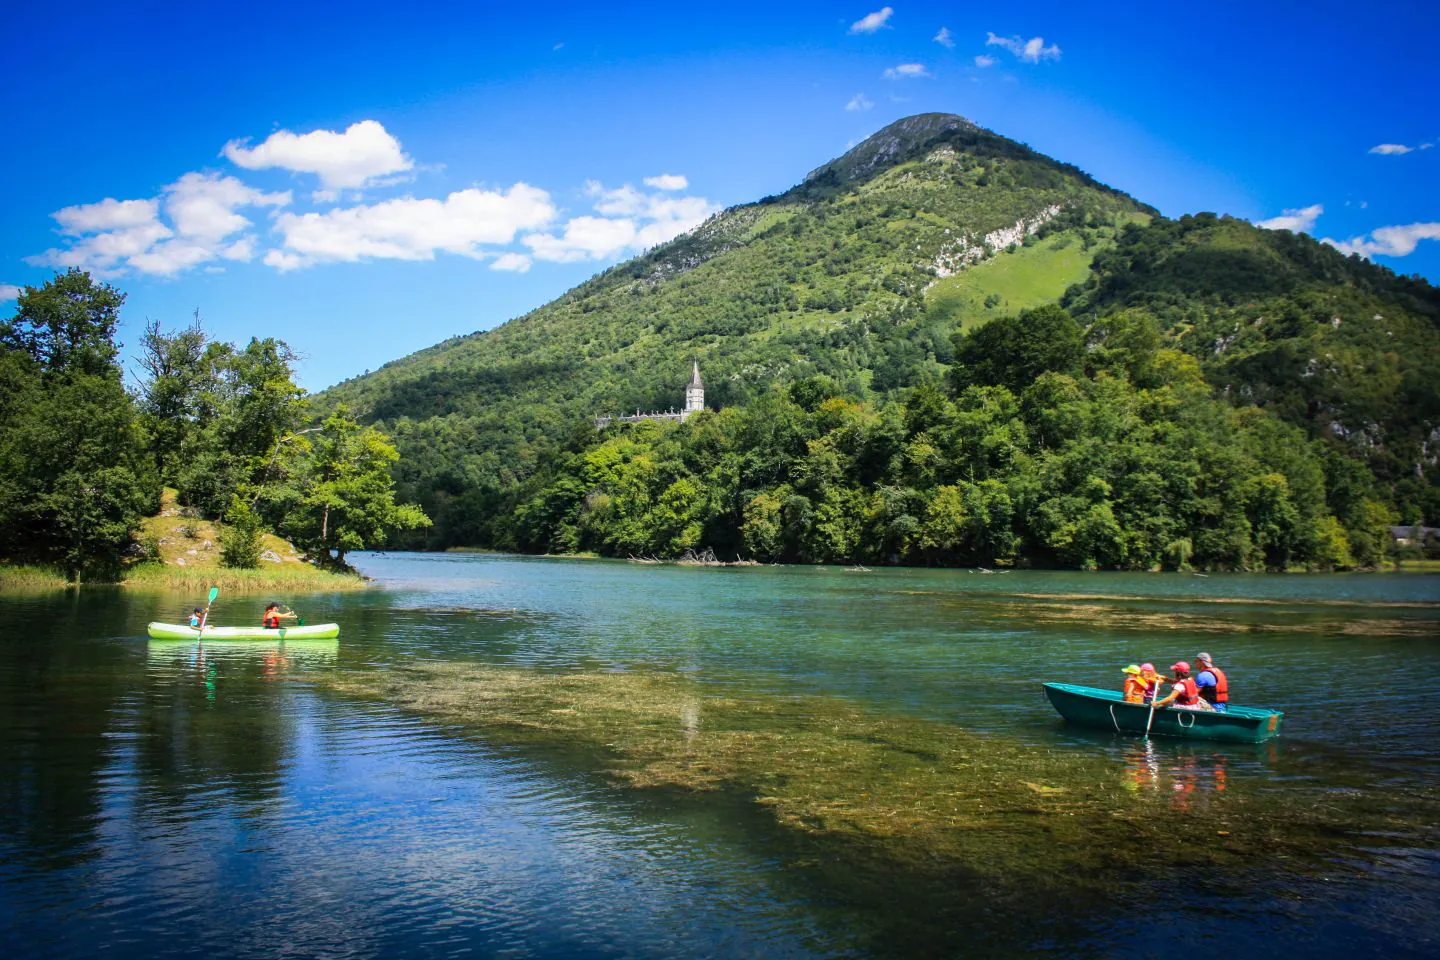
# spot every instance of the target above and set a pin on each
(273, 616)
(1185, 695)
(1214, 687)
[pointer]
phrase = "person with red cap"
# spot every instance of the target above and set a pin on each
(1185, 695)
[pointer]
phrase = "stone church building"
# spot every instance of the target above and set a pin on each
(694, 403)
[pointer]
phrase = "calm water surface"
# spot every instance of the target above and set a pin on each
(158, 799)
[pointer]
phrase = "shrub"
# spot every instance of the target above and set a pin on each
(240, 541)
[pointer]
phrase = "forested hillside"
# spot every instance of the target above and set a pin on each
(1210, 392)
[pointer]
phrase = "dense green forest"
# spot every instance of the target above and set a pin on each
(1203, 392)
(83, 460)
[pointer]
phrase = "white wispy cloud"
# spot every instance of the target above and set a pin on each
(108, 214)
(630, 220)
(1031, 51)
(859, 102)
(983, 61)
(906, 71)
(944, 38)
(1397, 241)
(411, 229)
(872, 22)
(1397, 149)
(359, 157)
(667, 181)
(115, 236)
(8, 292)
(513, 262)
(1300, 220)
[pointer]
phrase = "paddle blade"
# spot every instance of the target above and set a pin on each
(214, 592)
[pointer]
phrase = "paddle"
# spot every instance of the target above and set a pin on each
(214, 592)
(1151, 717)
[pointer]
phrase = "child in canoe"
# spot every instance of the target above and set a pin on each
(1135, 684)
(197, 618)
(273, 616)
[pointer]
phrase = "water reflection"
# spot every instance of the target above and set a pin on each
(1185, 776)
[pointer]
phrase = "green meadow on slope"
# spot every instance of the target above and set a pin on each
(1029, 276)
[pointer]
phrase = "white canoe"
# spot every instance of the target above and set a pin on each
(180, 631)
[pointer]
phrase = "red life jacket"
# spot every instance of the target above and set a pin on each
(1220, 693)
(1189, 692)
(272, 622)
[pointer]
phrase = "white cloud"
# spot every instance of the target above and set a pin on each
(983, 61)
(872, 22)
(632, 220)
(107, 234)
(356, 158)
(620, 202)
(944, 38)
(906, 71)
(667, 181)
(1301, 220)
(202, 205)
(516, 262)
(114, 236)
(1031, 51)
(859, 102)
(108, 214)
(585, 238)
(1397, 149)
(411, 229)
(1398, 241)
(8, 292)
(283, 261)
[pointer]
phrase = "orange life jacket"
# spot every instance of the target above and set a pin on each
(1220, 693)
(1135, 689)
(1189, 692)
(272, 622)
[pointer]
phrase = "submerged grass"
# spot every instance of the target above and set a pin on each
(918, 794)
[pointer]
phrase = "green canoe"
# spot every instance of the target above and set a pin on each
(1107, 710)
(180, 631)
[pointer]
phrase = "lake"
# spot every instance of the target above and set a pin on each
(532, 757)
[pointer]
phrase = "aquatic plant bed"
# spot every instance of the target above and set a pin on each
(921, 793)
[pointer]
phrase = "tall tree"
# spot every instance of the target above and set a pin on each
(74, 473)
(339, 495)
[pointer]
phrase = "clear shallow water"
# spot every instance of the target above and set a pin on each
(159, 800)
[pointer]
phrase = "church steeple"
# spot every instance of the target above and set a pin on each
(695, 393)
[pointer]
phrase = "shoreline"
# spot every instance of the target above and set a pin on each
(152, 577)
(1420, 566)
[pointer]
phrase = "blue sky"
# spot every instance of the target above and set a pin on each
(364, 180)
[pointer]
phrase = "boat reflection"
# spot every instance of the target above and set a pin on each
(1189, 777)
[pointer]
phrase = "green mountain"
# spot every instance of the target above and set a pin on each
(856, 283)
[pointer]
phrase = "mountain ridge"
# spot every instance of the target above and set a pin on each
(863, 273)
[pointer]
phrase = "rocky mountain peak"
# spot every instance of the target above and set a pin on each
(893, 144)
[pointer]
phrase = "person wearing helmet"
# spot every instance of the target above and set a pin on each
(1214, 687)
(1185, 695)
(1135, 685)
